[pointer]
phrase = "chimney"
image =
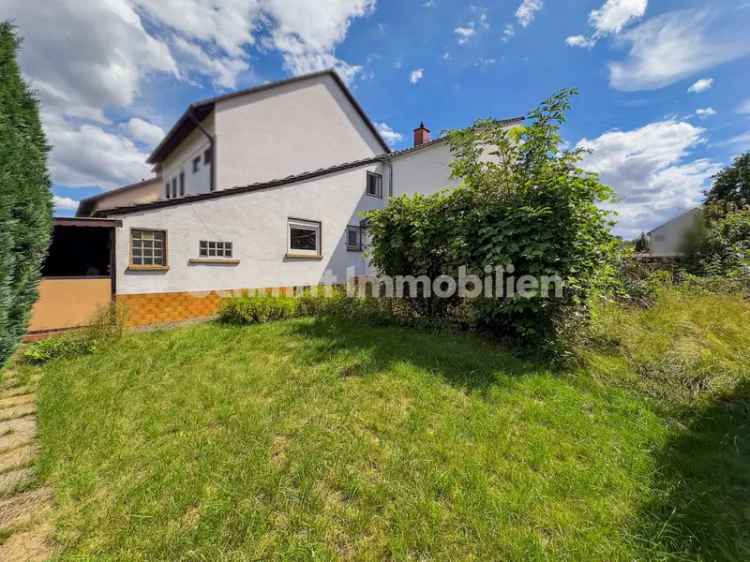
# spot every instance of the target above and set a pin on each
(421, 135)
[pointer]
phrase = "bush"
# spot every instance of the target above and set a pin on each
(257, 309)
(528, 205)
(107, 328)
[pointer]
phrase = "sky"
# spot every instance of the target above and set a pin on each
(664, 85)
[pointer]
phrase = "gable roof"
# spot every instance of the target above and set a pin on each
(200, 110)
(693, 211)
(85, 205)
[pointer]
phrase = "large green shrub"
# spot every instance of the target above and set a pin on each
(522, 202)
(25, 198)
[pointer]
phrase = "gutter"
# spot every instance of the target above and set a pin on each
(211, 140)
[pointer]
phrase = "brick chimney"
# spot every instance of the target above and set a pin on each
(421, 135)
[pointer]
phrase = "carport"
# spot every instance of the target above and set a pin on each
(78, 279)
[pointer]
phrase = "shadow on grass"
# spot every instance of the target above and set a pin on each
(462, 360)
(703, 507)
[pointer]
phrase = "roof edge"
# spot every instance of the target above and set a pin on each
(84, 204)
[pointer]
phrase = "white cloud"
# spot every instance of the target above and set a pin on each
(701, 86)
(145, 132)
(416, 75)
(508, 33)
(744, 107)
(610, 19)
(464, 33)
(527, 11)
(580, 41)
(677, 45)
(64, 203)
(429, 4)
(391, 137)
(743, 139)
(706, 112)
(647, 167)
(615, 15)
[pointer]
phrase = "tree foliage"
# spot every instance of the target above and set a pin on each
(731, 186)
(521, 202)
(25, 198)
(641, 244)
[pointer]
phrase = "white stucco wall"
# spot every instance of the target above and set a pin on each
(424, 171)
(256, 224)
(668, 239)
(181, 159)
(296, 128)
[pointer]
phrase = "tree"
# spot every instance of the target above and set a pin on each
(731, 187)
(641, 245)
(521, 202)
(25, 198)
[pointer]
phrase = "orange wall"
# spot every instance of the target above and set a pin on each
(69, 303)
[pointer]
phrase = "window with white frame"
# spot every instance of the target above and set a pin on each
(148, 248)
(374, 185)
(214, 249)
(303, 238)
(353, 238)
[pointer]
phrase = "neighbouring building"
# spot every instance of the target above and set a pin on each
(668, 240)
(257, 189)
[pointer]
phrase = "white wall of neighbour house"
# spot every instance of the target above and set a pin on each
(425, 171)
(181, 160)
(146, 193)
(257, 225)
(288, 130)
(668, 240)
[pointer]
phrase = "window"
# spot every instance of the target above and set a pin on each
(210, 249)
(374, 185)
(174, 187)
(182, 184)
(207, 156)
(353, 239)
(148, 248)
(196, 164)
(304, 238)
(166, 189)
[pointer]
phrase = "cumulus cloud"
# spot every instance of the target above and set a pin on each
(677, 45)
(90, 62)
(706, 112)
(465, 32)
(145, 132)
(610, 19)
(416, 75)
(650, 170)
(64, 203)
(701, 86)
(527, 11)
(391, 137)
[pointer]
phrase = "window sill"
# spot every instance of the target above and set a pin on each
(147, 268)
(293, 256)
(213, 261)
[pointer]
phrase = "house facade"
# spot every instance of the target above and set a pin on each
(259, 189)
(669, 239)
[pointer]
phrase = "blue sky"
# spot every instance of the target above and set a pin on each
(664, 102)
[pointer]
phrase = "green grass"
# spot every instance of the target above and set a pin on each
(321, 440)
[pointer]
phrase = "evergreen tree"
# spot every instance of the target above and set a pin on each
(25, 198)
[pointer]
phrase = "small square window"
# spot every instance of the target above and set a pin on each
(213, 249)
(196, 164)
(374, 185)
(304, 238)
(148, 248)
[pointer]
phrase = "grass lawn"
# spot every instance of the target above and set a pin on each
(319, 440)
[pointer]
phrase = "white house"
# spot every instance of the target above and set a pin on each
(668, 240)
(261, 188)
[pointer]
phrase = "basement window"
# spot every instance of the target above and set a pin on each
(212, 249)
(304, 238)
(374, 185)
(148, 248)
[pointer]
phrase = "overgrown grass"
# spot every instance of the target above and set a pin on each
(324, 439)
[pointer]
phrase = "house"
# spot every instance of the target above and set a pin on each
(669, 239)
(257, 189)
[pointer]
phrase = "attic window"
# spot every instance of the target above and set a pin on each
(207, 156)
(374, 185)
(196, 164)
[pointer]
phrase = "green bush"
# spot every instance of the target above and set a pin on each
(528, 205)
(257, 309)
